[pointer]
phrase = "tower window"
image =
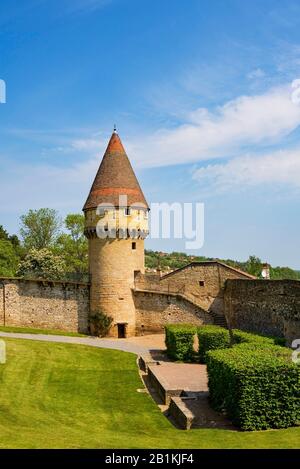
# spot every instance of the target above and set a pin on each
(133, 245)
(101, 211)
(201, 283)
(127, 211)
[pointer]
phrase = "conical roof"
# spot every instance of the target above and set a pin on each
(115, 177)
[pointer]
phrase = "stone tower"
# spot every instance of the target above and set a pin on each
(116, 224)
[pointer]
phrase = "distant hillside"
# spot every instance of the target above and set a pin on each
(175, 260)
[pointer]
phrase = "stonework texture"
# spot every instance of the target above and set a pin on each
(113, 264)
(44, 304)
(202, 283)
(270, 307)
(154, 310)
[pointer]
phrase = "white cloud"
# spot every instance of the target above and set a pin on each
(281, 167)
(224, 132)
(255, 74)
(91, 144)
(45, 186)
(242, 122)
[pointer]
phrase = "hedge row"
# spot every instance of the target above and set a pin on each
(256, 384)
(211, 338)
(180, 341)
(216, 337)
(247, 337)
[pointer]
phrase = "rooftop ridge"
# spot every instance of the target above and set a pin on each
(211, 262)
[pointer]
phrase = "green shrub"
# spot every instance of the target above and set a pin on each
(240, 337)
(256, 384)
(180, 341)
(280, 341)
(99, 323)
(211, 338)
(248, 337)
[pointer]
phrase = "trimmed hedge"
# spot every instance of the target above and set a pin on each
(256, 384)
(211, 338)
(216, 337)
(180, 341)
(240, 337)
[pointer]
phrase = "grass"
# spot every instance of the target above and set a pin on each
(29, 330)
(72, 396)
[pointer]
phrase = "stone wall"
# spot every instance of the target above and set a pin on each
(201, 282)
(113, 264)
(154, 310)
(44, 304)
(270, 307)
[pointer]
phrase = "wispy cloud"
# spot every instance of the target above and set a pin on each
(44, 185)
(256, 74)
(277, 168)
(226, 131)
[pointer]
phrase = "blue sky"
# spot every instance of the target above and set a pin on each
(202, 97)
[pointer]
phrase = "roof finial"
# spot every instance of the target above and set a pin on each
(115, 129)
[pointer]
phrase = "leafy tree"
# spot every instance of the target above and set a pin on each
(3, 234)
(6, 237)
(254, 266)
(284, 273)
(8, 259)
(42, 263)
(39, 228)
(73, 247)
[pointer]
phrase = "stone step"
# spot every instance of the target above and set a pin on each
(195, 412)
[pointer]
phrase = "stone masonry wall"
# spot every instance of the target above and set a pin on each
(44, 304)
(113, 264)
(202, 283)
(154, 310)
(270, 307)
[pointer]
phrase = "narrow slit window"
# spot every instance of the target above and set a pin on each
(201, 283)
(134, 246)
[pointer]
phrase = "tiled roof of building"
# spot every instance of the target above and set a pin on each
(115, 177)
(208, 263)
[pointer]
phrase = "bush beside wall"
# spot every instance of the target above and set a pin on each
(257, 385)
(240, 337)
(216, 337)
(180, 341)
(211, 338)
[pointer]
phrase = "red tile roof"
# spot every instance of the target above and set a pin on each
(115, 177)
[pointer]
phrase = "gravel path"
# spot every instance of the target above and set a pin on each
(137, 345)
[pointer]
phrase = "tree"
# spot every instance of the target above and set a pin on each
(8, 259)
(284, 273)
(254, 266)
(6, 237)
(39, 228)
(73, 247)
(3, 234)
(42, 263)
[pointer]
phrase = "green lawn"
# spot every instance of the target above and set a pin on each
(72, 396)
(29, 330)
